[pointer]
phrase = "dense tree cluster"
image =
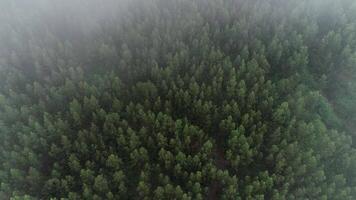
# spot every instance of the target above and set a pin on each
(178, 99)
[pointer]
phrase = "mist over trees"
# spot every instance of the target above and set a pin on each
(178, 99)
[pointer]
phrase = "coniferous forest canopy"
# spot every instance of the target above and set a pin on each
(178, 99)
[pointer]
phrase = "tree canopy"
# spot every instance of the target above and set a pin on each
(178, 99)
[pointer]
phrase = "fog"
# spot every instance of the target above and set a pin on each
(177, 99)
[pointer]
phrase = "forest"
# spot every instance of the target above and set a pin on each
(178, 99)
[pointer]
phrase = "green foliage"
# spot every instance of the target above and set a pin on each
(163, 99)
